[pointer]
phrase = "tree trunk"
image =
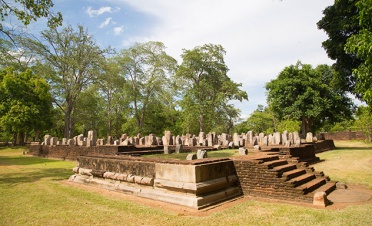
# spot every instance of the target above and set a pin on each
(201, 122)
(109, 114)
(21, 137)
(26, 137)
(15, 135)
(37, 134)
(69, 124)
(306, 126)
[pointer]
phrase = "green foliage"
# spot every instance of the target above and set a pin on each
(70, 60)
(364, 121)
(206, 89)
(115, 102)
(303, 93)
(147, 69)
(27, 11)
(341, 126)
(261, 121)
(340, 21)
(25, 102)
(289, 125)
(89, 112)
(360, 45)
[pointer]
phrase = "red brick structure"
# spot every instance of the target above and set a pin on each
(345, 135)
(281, 177)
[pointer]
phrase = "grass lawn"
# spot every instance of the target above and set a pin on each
(32, 192)
(350, 162)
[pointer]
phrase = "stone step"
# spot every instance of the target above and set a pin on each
(319, 173)
(311, 185)
(272, 164)
(266, 158)
(284, 168)
(302, 179)
(293, 173)
(328, 187)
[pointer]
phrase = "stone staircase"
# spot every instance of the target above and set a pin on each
(281, 177)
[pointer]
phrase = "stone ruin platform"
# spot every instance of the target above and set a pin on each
(202, 183)
(196, 184)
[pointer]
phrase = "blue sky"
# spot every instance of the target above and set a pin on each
(260, 37)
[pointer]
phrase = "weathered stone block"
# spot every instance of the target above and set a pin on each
(320, 199)
(201, 154)
(243, 151)
(191, 157)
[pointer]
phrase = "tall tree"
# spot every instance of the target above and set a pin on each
(207, 88)
(70, 60)
(89, 112)
(110, 85)
(364, 121)
(309, 95)
(27, 11)
(360, 45)
(340, 21)
(25, 103)
(13, 55)
(147, 68)
(261, 120)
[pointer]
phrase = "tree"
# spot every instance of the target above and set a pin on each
(12, 55)
(309, 95)
(340, 21)
(364, 121)
(27, 11)
(70, 60)
(147, 68)
(25, 103)
(89, 112)
(261, 120)
(110, 85)
(360, 45)
(206, 88)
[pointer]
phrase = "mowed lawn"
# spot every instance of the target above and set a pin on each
(33, 192)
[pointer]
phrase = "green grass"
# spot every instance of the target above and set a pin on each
(32, 192)
(350, 162)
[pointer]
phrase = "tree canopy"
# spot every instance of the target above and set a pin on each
(25, 103)
(147, 69)
(207, 89)
(70, 60)
(27, 11)
(360, 45)
(303, 93)
(340, 21)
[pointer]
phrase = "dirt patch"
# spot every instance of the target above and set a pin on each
(186, 211)
(369, 163)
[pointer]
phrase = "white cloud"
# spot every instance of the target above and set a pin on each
(261, 37)
(105, 9)
(118, 30)
(105, 23)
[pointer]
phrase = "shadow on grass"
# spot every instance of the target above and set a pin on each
(14, 147)
(23, 160)
(51, 174)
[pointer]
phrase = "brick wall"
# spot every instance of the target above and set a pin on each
(257, 180)
(345, 135)
(306, 151)
(70, 153)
